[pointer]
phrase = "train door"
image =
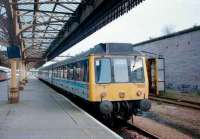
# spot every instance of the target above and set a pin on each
(156, 75)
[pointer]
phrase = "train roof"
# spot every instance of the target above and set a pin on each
(103, 49)
(113, 48)
(5, 69)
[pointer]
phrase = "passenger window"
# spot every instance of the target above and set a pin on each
(60, 72)
(137, 70)
(71, 71)
(65, 72)
(85, 71)
(120, 70)
(103, 70)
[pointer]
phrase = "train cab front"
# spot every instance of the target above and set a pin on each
(121, 85)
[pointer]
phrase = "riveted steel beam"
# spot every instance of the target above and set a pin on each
(46, 2)
(42, 11)
(39, 24)
(38, 38)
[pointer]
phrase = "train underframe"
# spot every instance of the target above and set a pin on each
(121, 109)
(109, 110)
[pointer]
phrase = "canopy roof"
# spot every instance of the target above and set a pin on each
(40, 22)
(43, 29)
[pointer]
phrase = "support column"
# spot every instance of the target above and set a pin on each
(26, 77)
(23, 72)
(14, 92)
(21, 87)
(13, 52)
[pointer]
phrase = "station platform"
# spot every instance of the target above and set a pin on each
(42, 113)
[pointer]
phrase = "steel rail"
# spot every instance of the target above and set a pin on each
(183, 103)
(139, 130)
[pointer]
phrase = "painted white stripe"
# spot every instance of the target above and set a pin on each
(92, 118)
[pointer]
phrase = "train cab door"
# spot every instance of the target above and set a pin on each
(156, 76)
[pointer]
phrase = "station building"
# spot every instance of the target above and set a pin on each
(181, 51)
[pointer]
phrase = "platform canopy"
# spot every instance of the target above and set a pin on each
(46, 28)
(3, 35)
(40, 22)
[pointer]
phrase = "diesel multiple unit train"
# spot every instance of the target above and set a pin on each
(4, 73)
(112, 77)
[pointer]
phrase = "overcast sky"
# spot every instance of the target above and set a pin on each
(146, 20)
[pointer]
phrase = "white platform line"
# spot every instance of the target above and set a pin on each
(92, 118)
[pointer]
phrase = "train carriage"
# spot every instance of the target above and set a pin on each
(111, 76)
(4, 73)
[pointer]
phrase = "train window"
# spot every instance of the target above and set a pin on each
(50, 73)
(77, 71)
(120, 66)
(54, 72)
(78, 74)
(137, 71)
(85, 70)
(57, 72)
(81, 73)
(103, 70)
(65, 72)
(75, 75)
(61, 71)
(71, 74)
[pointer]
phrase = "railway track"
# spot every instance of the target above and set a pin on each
(184, 103)
(128, 127)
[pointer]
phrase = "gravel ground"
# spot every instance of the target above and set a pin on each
(184, 119)
(170, 121)
(161, 130)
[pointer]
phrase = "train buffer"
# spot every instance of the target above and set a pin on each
(43, 113)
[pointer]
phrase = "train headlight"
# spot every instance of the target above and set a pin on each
(103, 95)
(122, 94)
(139, 93)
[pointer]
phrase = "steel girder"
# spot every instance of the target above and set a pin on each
(7, 36)
(39, 22)
(89, 18)
(7, 23)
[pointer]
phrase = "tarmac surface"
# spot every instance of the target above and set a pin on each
(44, 114)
